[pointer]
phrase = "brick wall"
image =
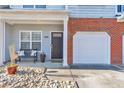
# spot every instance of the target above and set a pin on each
(111, 26)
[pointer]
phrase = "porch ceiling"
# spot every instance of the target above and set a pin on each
(35, 15)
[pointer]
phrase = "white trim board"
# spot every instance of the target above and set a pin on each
(4, 40)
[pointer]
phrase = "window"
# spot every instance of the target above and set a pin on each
(34, 6)
(40, 6)
(36, 40)
(28, 6)
(120, 8)
(30, 40)
(25, 40)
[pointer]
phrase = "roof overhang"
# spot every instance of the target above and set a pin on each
(33, 16)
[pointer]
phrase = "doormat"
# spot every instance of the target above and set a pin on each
(56, 61)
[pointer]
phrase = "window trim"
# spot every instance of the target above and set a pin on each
(30, 31)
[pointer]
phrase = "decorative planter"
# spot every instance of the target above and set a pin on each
(42, 57)
(12, 70)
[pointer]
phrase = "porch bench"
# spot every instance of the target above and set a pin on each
(29, 53)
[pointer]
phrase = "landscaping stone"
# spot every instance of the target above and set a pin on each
(29, 77)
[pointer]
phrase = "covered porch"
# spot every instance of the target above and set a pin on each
(35, 30)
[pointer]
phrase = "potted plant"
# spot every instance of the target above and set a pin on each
(42, 57)
(12, 67)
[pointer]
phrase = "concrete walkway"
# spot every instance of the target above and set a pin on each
(91, 76)
(98, 78)
(47, 64)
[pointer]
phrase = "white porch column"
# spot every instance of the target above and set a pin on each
(65, 42)
(2, 42)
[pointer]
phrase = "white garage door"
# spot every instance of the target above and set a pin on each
(91, 48)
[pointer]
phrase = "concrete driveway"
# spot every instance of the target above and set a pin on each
(91, 76)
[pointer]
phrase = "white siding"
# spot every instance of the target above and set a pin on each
(92, 11)
(83, 11)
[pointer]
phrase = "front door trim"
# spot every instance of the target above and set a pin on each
(51, 42)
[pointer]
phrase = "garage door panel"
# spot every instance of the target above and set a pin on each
(91, 48)
(90, 57)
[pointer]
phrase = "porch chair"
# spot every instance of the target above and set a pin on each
(28, 53)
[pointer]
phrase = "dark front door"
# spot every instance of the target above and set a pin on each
(57, 45)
